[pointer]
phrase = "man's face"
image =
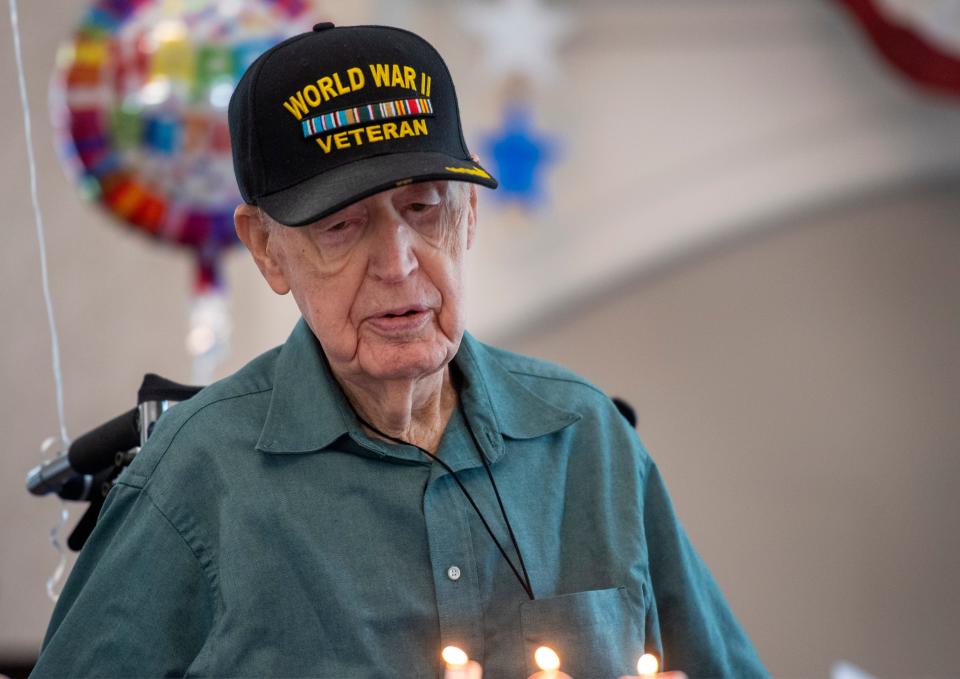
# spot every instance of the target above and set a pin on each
(380, 281)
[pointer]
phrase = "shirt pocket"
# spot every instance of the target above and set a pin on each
(597, 634)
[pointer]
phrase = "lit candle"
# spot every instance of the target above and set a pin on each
(648, 665)
(549, 663)
(459, 665)
(647, 668)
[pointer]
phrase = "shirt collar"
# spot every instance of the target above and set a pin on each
(495, 398)
(308, 410)
(307, 406)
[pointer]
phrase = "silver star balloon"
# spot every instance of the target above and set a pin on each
(521, 36)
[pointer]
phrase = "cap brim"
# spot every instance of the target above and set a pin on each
(319, 196)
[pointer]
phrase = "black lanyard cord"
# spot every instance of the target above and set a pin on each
(524, 579)
(503, 512)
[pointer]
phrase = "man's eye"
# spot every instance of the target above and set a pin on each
(338, 232)
(338, 227)
(422, 207)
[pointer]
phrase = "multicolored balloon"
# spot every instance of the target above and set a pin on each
(139, 100)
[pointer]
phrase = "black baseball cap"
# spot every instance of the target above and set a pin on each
(328, 117)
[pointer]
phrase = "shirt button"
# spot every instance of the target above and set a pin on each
(453, 573)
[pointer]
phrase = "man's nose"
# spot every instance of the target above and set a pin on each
(392, 256)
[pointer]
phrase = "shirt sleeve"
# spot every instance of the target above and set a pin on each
(699, 633)
(137, 602)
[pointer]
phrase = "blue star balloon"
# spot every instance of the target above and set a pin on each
(519, 154)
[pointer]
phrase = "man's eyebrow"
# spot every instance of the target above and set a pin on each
(422, 185)
(421, 188)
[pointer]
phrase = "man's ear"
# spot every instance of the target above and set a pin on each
(255, 233)
(472, 216)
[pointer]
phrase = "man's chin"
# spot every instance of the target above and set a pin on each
(409, 360)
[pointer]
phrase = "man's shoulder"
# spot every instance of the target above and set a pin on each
(599, 424)
(217, 417)
(545, 378)
(253, 379)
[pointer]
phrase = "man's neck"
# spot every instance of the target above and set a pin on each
(414, 411)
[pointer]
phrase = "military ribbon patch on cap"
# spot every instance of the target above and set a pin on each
(399, 108)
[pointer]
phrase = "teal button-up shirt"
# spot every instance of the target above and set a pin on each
(261, 532)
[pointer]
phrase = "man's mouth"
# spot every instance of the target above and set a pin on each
(404, 311)
(402, 321)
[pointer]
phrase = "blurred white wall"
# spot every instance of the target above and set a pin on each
(768, 373)
(799, 390)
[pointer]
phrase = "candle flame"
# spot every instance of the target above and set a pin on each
(648, 665)
(454, 657)
(546, 658)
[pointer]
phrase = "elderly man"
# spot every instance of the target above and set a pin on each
(383, 484)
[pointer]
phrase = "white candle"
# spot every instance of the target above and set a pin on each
(648, 665)
(549, 663)
(458, 665)
(647, 668)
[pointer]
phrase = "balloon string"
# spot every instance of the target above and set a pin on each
(38, 220)
(53, 591)
(64, 514)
